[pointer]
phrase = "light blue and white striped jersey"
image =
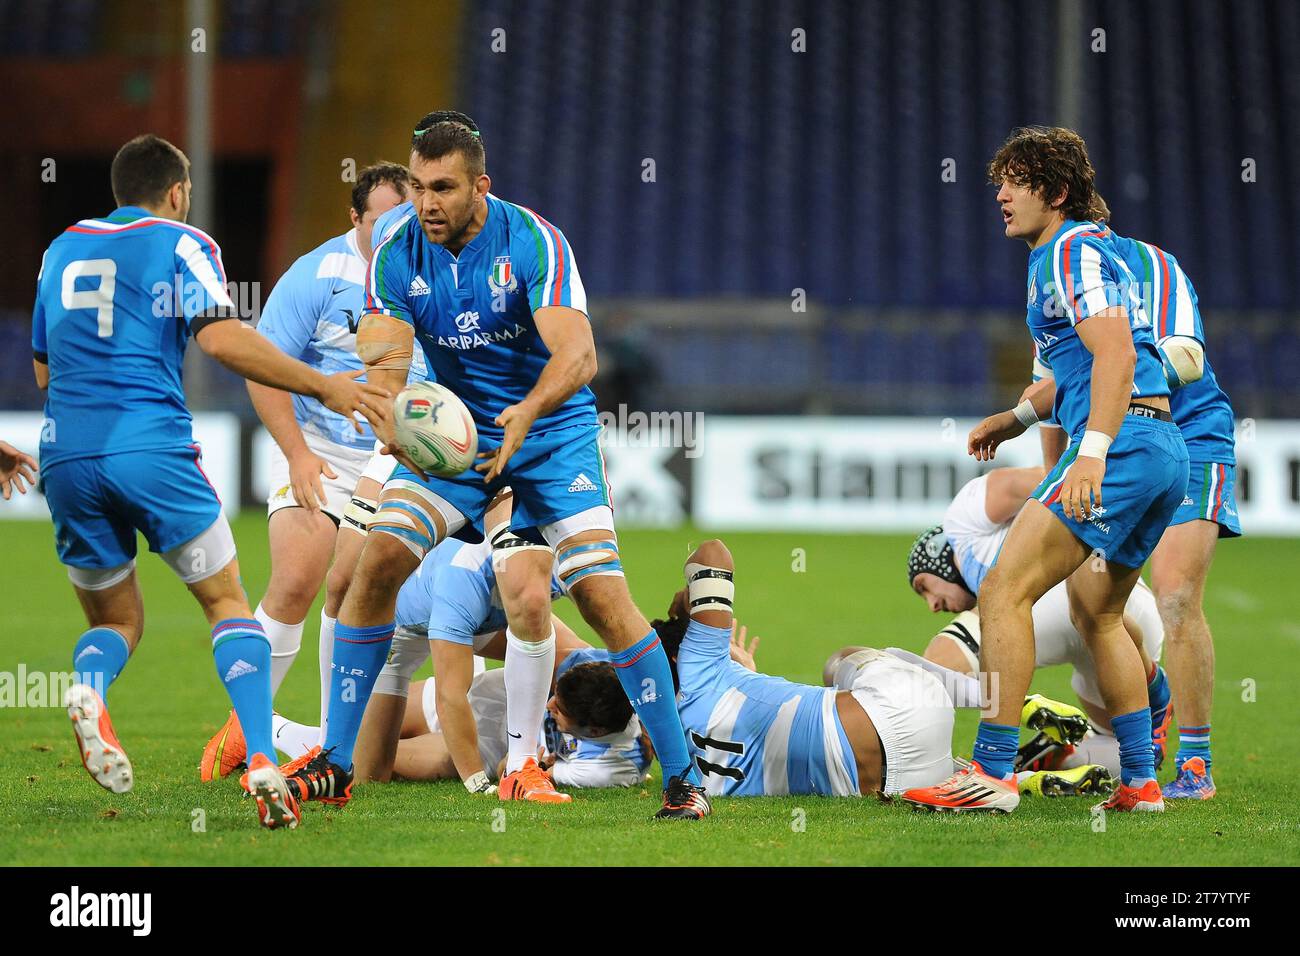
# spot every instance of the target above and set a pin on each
(754, 735)
(452, 596)
(975, 539)
(312, 315)
(614, 760)
(117, 299)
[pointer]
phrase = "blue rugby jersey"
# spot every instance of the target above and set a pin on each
(1076, 274)
(473, 312)
(116, 302)
(1202, 409)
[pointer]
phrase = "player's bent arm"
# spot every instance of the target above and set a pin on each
(1006, 490)
(709, 584)
(240, 349)
(454, 666)
(42, 372)
(567, 334)
(1108, 336)
(1041, 395)
(275, 409)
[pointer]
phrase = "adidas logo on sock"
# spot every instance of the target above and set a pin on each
(582, 483)
(239, 669)
(88, 649)
(418, 287)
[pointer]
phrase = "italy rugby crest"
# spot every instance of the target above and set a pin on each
(502, 276)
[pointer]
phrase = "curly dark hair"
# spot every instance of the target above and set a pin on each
(670, 634)
(395, 174)
(591, 695)
(1051, 160)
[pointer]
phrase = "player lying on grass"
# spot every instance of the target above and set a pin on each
(451, 608)
(451, 599)
(1106, 504)
(118, 299)
(946, 567)
(576, 745)
(884, 726)
(1181, 561)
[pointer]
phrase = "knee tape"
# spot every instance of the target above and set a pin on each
(410, 522)
(359, 513)
(591, 558)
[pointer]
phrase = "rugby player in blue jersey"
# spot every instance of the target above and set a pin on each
(118, 299)
(1100, 512)
(493, 294)
(1181, 562)
(318, 457)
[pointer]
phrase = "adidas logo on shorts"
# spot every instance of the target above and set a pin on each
(239, 669)
(582, 483)
(418, 287)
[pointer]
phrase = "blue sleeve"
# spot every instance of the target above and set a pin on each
(201, 273)
(462, 601)
(545, 265)
(389, 277)
(40, 345)
(294, 308)
(1088, 280)
(389, 221)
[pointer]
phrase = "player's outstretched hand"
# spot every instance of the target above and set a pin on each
(1081, 489)
(516, 420)
(304, 478)
(344, 394)
(741, 652)
(16, 467)
(993, 431)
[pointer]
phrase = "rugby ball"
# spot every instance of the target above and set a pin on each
(434, 429)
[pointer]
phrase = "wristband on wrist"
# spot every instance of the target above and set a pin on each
(1094, 445)
(1025, 413)
(479, 783)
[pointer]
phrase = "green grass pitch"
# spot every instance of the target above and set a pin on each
(852, 591)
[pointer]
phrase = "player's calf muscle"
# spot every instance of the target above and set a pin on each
(222, 594)
(606, 604)
(384, 564)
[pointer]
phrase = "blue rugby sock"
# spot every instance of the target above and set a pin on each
(647, 680)
(1193, 742)
(359, 655)
(99, 657)
(1137, 764)
(995, 748)
(1158, 693)
(243, 658)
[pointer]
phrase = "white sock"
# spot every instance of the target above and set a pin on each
(292, 739)
(326, 669)
(1095, 748)
(530, 667)
(965, 691)
(285, 640)
(480, 665)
